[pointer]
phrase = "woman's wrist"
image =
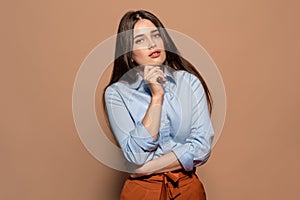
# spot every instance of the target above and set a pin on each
(157, 99)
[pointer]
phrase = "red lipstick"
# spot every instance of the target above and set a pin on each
(155, 54)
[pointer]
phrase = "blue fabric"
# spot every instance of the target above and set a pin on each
(185, 128)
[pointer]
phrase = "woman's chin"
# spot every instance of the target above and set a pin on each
(155, 63)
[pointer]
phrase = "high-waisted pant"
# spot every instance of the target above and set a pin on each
(176, 185)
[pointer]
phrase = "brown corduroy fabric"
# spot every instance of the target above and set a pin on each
(176, 185)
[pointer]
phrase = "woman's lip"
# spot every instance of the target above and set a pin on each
(155, 54)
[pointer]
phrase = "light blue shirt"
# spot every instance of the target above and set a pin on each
(185, 127)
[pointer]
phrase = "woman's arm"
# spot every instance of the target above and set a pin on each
(167, 162)
(152, 117)
(197, 147)
(138, 141)
(137, 144)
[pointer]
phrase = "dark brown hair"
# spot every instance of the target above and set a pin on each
(124, 45)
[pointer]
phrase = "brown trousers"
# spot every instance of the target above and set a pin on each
(176, 185)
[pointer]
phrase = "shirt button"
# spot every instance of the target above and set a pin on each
(167, 145)
(163, 123)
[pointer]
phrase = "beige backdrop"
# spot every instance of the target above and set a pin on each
(255, 45)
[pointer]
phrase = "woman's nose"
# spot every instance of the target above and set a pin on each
(151, 44)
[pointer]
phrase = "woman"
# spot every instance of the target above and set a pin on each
(158, 107)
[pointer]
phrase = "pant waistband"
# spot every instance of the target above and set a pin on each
(174, 175)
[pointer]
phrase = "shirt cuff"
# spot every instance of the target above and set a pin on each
(185, 155)
(142, 138)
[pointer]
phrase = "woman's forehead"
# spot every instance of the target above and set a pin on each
(144, 26)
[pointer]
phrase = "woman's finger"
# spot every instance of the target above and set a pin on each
(155, 77)
(153, 73)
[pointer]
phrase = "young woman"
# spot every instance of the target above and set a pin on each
(158, 107)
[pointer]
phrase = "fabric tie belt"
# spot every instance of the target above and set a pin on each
(170, 182)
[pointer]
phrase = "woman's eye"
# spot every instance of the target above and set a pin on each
(157, 35)
(139, 41)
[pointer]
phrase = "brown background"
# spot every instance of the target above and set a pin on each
(255, 45)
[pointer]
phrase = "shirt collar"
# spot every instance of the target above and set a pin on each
(169, 72)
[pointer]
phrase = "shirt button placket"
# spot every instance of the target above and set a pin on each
(163, 123)
(165, 134)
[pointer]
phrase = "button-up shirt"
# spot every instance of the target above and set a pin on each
(185, 127)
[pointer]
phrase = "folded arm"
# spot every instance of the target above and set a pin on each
(137, 144)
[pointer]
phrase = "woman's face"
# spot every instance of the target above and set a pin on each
(148, 46)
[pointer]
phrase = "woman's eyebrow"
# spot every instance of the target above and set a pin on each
(153, 31)
(140, 35)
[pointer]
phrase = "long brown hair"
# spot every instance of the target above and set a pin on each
(124, 45)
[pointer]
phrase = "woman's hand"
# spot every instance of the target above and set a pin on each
(154, 77)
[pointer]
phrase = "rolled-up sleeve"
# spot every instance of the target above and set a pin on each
(197, 147)
(135, 141)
